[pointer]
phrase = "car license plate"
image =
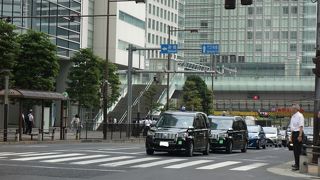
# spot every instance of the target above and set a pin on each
(163, 143)
(221, 141)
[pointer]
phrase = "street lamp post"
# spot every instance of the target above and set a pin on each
(106, 74)
(169, 57)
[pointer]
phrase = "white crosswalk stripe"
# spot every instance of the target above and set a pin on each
(157, 163)
(73, 158)
(219, 165)
(103, 160)
(37, 154)
(187, 164)
(47, 157)
(128, 162)
(249, 167)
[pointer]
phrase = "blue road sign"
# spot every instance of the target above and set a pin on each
(210, 48)
(168, 48)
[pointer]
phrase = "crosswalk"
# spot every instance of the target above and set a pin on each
(129, 161)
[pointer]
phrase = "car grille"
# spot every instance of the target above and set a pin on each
(165, 136)
(215, 136)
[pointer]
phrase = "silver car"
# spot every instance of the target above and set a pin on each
(273, 136)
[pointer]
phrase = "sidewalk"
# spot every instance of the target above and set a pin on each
(285, 170)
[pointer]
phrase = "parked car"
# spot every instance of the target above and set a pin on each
(273, 136)
(257, 137)
(308, 131)
(179, 131)
(228, 133)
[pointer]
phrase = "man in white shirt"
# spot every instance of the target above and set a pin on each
(296, 126)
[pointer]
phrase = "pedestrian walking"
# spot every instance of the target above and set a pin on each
(29, 119)
(76, 123)
(296, 126)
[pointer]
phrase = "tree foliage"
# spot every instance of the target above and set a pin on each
(84, 78)
(151, 100)
(114, 83)
(9, 46)
(37, 63)
(196, 95)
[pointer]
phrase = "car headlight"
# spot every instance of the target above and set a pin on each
(182, 135)
(150, 133)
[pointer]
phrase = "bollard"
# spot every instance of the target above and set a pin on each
(65, 133)
(17, 137)
(318, 167)
(39, 135)
(303, 166)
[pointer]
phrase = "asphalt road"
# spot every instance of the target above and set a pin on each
(129, 161)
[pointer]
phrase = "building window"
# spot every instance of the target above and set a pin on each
(285, 10)
(293, 47)
(131, 20)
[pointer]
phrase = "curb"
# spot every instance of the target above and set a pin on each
(285, 170)
(135, 141)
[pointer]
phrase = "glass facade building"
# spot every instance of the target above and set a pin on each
(49, 16)
(265, 49)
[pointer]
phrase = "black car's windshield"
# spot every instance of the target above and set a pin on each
(253, 129)
(223, 124)
(173, 120)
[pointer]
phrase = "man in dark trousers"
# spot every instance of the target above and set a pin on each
(29, 121)
(296, 126)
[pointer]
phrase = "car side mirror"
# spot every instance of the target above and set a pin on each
(191, 128)
(230, 129)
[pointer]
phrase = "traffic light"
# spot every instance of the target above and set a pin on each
(246, 2)
(316, 70)
(230, 4)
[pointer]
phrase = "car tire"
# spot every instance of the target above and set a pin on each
(207, 150)
(150, 151)
(264, 146)
(229, 147)
(189, 150)
(244, 149)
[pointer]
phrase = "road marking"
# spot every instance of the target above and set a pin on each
(192, 163)
(219, 165)
(47, 157)
(109, 152)
(63, 168)
(38, 154)
(103, 160)
(158, 163)
(120, 148)
(249, 167)
(132, 161)
(73, 158)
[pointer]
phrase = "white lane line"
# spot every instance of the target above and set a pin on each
(73, 158)
(132, 161)
(219, 165)
(120, 148)
(106, 152)
(192, 163)
(103, 160)
(13, 153)
(158, 163)
(249, 167)
(47, 157)
(38, 154)
(62, 168)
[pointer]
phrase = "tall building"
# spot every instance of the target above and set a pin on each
(266, 51)
(126, 26)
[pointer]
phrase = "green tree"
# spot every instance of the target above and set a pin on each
(37, 63)
(84, 79)
(195, 91)
(114, 83)
(151, 100)
(191, 96)
(9, 46)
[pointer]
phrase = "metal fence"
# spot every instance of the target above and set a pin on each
(113, 131)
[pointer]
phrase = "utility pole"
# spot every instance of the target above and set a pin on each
(168, 68)
(316, 71)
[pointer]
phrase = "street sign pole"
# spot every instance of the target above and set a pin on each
(168, 74)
